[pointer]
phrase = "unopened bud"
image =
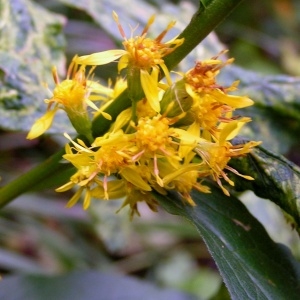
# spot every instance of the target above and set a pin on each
(176, 100)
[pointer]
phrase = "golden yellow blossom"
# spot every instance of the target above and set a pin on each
(217, 155)
(73, 96)
(143, 56)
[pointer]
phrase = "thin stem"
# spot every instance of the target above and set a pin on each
(204, 21)
(28, 180)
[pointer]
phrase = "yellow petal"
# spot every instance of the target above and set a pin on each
(232, 100)
(78, 159)
(100, 58)
(77, 145)
(149, 85)
(187, 138)
(122, 119)
(123, 63)
(167, 73)
(115, 188)
(180, 171)
(65, 187)
(231, 130)
(41, 125)
(87, 200)
(75, 198)
(130, 175)
(192, 131)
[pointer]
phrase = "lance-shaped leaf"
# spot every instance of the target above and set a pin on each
(252, 265)
(276, 178)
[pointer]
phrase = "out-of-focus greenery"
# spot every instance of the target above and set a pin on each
(263, 36)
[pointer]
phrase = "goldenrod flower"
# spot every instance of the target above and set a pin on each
(217, 155)
(212, 104)
(73, 96)
(143, 56)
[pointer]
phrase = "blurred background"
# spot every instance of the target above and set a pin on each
(37, 233)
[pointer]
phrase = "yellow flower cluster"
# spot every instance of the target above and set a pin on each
(173, 136)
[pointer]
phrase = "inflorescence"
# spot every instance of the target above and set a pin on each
(174, 135)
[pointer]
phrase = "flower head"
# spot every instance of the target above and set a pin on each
(143, 57)
(174, 136)
(73, 96)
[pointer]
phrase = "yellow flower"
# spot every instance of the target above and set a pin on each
(217, 155)
(201, 80)
(170, 140)
(212, 105)
(143, 56)
(73, 96)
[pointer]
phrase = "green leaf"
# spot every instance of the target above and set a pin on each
(275, 178)
(31, 43)
(80, 285)
(252, 265)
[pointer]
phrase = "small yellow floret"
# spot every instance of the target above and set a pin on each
(153, 134)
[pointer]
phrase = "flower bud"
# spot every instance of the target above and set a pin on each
(176, 100)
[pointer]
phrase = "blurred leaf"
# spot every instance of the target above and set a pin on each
(276, 112)
(90, 285)
(31, 43)
(222, 294)
(276, 178)
(19, 263)
(251, 264)
(113, 228)
(45, 205)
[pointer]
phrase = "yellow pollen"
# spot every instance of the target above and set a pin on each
(109, 159)
(143, 52)
(152, 134)
(219, 157)
(69, 93)
(208, 113)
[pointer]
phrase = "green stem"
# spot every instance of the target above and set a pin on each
(28, 180)
(205, 20)
(202, 23)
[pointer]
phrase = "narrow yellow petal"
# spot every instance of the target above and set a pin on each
(65, 187)
(75, 198)
(229, 131)
(41, 125)
(130, 175)
(91, 104)
(232, 100)
(100, 58)
(87, 200)
(167, 73)
(123, 62)
(149, 85)
(78, 146)
(180, 171)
